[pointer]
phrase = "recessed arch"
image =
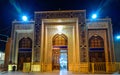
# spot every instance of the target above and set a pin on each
(24, 51)
(96, 49)
(59, 52)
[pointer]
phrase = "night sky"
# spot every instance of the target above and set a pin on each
(14, 9)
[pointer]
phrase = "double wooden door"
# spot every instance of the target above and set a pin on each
(22, 58)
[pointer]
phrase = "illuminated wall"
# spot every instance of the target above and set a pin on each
(2, 55)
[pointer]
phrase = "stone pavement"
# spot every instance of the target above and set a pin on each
(48, 73)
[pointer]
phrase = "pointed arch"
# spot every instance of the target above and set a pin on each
(25, 52)
(25, 43)
(59, 42)
(96, 49)
(96, 42)
(60, 39)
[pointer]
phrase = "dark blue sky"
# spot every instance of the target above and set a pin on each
(14, 9)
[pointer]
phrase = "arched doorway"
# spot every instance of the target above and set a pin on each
(59, 52)
(96, 49)
(24, 52)
(97, 53)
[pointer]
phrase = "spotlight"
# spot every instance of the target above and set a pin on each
(118, 37)
(24, 18)
(60, 28)
(94, 16)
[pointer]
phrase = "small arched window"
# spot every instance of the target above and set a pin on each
(59, 39)
(25, 43)
(96, 42)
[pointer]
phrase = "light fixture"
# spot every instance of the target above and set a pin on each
(94, 16)
(118, 37)
(24, 18)
(59, 28)
(59, 33)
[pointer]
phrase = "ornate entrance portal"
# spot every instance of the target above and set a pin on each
(59, 52)
(59, 48)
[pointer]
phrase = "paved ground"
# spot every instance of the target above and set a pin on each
(48, 73)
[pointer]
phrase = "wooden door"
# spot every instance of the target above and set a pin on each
(55, 59)
(23, 57)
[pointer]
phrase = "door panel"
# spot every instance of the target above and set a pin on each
(22, 58)
(55, 59)
(97, 57)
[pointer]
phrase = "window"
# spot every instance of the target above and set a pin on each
(59, 39)
(25, 43)
(96, 51)
(96, 42)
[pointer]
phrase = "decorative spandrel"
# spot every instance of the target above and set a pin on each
(36, 53)
(37, 42)
(60, 14)
(83, 43)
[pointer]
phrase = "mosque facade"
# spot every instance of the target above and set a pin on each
(57, 40)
